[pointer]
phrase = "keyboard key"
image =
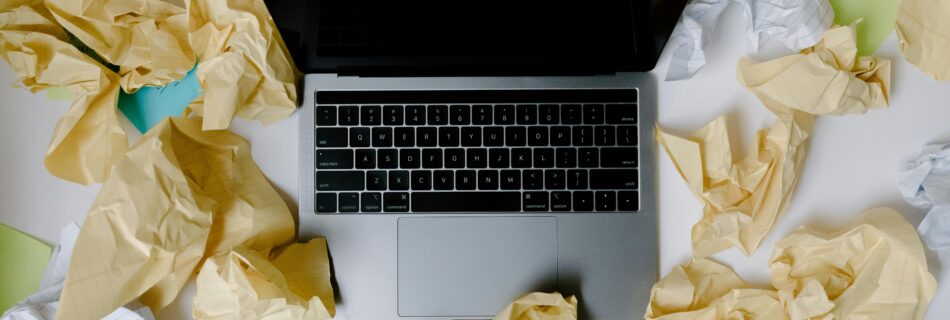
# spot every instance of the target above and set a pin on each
(349, 202)
(382, 137)
(427, 137)
(577, 179)
(349, 115)
(583, 201)
(460, 114)
(504, 114)
(532, 179)
(376, 180)
(588, 158)
(554, 179)
(549, 114)
(421, 180)
(621, 114)
(498, 158)
(371, 201)
(455, 158)
(409, 158)
(538, 136)
(613, 179)
(565, 157)
(560, 136)
(521, 158)
(405, 137)
(471, 137)
(628, 201)
(481, 114)
(527, 114)
(370, 115)
(331, 137)
(627, 135)
(387, 158)
(359, 137)
(560, 201)
(340, 181)
(365, 159)
(334, 159)
(571, 114)
(399, 180)
(466, 201)
(618, 157)
(448, 137)
(582, 135)
(326, 202)
(516, 136)
(415, 115)
(432, 158)
(396, 202)
(604, 135)
(465, 179)
(392, 115)
(536, 201)
(438, 115)
(443, 180)
(493, 137)
(593, 114)
(326, 115)
(544, 158)
(487, 180)
(476, 158)
(606, 201)
(510, 180)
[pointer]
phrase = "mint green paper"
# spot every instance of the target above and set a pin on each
(59, 93)
(23, 260)
(877, 20)
(150, 105)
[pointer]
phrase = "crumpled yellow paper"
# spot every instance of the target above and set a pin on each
(178, 196)
(540, 306)
(876, 269)
(244, 68)
(742, 198)
(828, 78)
(245, 284)
(924, 34)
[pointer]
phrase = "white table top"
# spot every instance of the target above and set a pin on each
(853, 161)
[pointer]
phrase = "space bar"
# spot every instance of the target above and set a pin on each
(466, 201)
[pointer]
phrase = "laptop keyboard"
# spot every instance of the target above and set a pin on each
(559, 153)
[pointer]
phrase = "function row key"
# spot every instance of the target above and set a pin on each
(502, 114)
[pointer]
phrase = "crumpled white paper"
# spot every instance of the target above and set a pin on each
(44, 303)
(925, 183)
(797, 24)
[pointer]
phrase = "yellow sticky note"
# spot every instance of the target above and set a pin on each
(22, 261)
(540, 306)
(922, 30)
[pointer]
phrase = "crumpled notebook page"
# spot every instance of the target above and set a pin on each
(828, 78)
(245, 284)
(795, 23)
(876, 269)
(742, 198)
(180, 195)
(922, 30)
(925, 183)
(540, 306)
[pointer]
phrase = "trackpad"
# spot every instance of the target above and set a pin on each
(473, 266)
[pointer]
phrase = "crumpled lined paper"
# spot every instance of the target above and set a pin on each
(922, 30)
(828, 78)
(245, 284)
(243, 66)
(742, 198)
(925, 183)
(795, 23)
(540, 306)
(44, 303)
(180, 195)
(874, 270)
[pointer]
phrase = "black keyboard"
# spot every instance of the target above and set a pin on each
(476, 151)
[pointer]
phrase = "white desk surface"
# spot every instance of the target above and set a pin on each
(853, 161)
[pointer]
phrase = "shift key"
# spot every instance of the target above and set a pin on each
(613, 179)
(340, 180)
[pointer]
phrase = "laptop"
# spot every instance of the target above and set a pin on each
(458, 155)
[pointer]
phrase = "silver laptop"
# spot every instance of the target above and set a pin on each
(459, 155)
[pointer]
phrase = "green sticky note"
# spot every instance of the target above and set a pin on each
(150, 105)
(22, 262)
(877, 20)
